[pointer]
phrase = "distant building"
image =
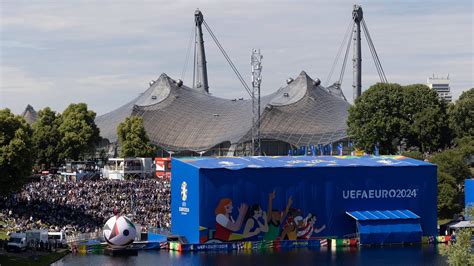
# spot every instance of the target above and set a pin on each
(29, 114)
(441, 86)
(124, 168)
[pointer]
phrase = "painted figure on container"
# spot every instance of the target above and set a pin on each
(275, 218)
(256, 223)
(290, 230)
(225, 223)
(306, 226)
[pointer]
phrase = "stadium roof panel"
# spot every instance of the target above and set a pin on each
(29, 114)
(179, 118)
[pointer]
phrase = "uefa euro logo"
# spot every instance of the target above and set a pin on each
(184, 191)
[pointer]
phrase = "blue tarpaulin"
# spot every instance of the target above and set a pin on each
(208, 194)
(469, 195)
(382, 215)
(237, 163)
(387, 226)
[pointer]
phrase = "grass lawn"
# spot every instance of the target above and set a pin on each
(46, 259)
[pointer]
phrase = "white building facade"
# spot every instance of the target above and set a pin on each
(441, 86)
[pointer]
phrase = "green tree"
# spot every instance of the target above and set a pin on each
(133, 139)
(79, 133)
(387, 114)
(452, 162)
(15, 152)
(462, 114)
(465, 146)
(460, 253)
(414, 154)
(426, 121)
(430, 129)
(376, 118)
(46, 137)
(452, 171)
(448, 201)
(469, 212)
(416, 98)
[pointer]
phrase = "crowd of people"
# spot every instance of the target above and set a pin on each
(85, 206)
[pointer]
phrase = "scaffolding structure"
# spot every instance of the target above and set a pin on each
(256, 63)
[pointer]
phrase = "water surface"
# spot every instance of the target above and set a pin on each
(396, 255)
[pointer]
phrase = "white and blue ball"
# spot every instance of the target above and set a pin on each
(119, 231)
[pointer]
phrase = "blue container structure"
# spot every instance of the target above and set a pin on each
(380, 199)
(469, 194)
(389, 226)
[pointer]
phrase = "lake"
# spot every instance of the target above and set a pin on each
(394, 255)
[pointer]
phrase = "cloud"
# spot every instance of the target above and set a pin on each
(39, 22)
(90, 51)
(20, 45)
(16, 80)
(21, 88)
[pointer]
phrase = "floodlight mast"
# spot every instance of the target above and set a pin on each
(256, 64)
(357, 16)
(201, 67)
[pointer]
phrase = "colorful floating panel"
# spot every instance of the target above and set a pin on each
(249, 245)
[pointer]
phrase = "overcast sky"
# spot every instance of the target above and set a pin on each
(104, 53)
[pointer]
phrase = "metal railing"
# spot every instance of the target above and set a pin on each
(83, 237)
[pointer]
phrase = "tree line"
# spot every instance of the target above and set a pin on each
(390, 116)
(413, 119)
(55, 138)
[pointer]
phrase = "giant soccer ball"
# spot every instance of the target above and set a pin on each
(119, 231)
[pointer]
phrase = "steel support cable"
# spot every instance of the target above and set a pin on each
(375, 51)
(344, 62)
(373, 55)
(339, 52)
(228, 59)
(371, 48)
(371, 43)
(188, 52)
(194, 63)
(376, 58)
(216, 41)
